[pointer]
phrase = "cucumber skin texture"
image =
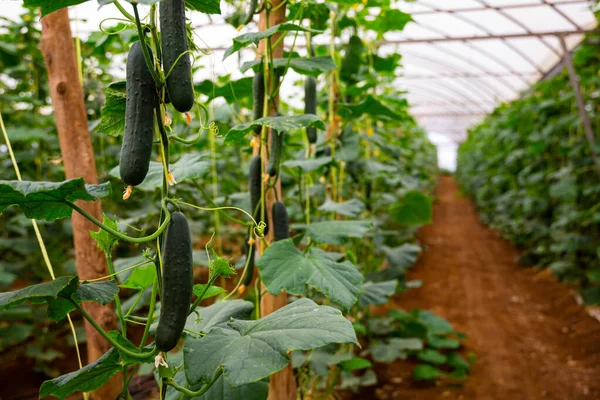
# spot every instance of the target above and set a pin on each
(249, 253)
(258, 99)
(281, 222)
(140, 101)
(177, 282)
(275, 152)
(310, 105)
(255, 185)
(174, 42)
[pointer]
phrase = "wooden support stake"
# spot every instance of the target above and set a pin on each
(583, 114)
(282, 384)
(70, 114)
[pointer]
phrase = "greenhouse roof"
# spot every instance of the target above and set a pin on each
(462, 58)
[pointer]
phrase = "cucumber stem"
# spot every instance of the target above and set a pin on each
(199, 299)
(144, 45)
(111, 270)
(150, 312)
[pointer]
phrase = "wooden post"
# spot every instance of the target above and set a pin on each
(70, 114)
(583, 114)
(282, 384)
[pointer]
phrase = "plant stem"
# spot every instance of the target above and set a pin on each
(150, 313)
(111, 270)
(144, 45)
(123, 11)
(108, 338)
(197, 393)
(118, 234)
(199, 299)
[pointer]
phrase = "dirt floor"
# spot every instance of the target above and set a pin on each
(531, 339)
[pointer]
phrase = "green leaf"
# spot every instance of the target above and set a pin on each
(440, 342)
(455, 360)
(231, 91)
(435, 325)
(351, 208)
(205, 6)
(593, 275)
(97, 292)
(377, 293)
(45, 200)
(371, 105)
(217, 315)
(394, 348)
(220, 266)
(431, 356)
(106, 240)
(189, 167)
(339, 281)
(40, 293)
(320, 360)
(355, 364)
(280, 124)
(313, 66)
(112, 121)
(86, 379)
(308, 165)
(403, 256)
(253, 350)
(221, 390)
(415, 208)
(211, 292)
(254, 37)
(48, 6)
(337, 232)
(388, 21)
(141, 277)
(425, 372)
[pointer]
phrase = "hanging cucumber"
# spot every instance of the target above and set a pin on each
(254, 186)
(310, 105)
(353, 59)
(281, 223)
(177, 282)
(251, 11)
(140, 101)
(174, 42)
(249, 249)
(258, 97)
(368, 191)
(275, 152)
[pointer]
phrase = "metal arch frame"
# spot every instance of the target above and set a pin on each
(506, 7)
(453, 92)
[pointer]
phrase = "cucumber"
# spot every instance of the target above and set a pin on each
(310, 105)
(251, 12)
(177, 282)
(258, 97)
(275, 152)
(141, 99)
(368, 191)
(255, 185)
(249, 249)
(281, 223)
(353, 59)
(174, 42)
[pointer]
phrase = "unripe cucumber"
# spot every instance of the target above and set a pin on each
(275, 152)
(141, 99)
(177, 282)
(258, 97)
(281, 223)
(251, 10)
(310, 105)
(174, 43)
(249, 253)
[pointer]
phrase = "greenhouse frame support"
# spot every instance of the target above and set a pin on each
(583, 114)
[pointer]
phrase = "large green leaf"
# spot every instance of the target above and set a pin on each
(97, 292)
(320, 359)
(284, 267)
(415, 208)
(190, 166)
(40, 293)
(403, 256)
(86, 379)
(431, 356)
(372, 106)
(221, 390)
(309, 164)
(46, 200)
(231, 91)
(351, 208)
(388, 21)
(424, 372)
(112, 120)
(313, 66)
(390, 350)
(253, 350)
(217, 315)
(254, 37)
(205, 6)
(141, 277)
(106, 241)
(48, 6)
(280, 124)
(377, 293)
(337, 232)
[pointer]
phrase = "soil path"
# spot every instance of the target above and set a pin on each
(531, 339)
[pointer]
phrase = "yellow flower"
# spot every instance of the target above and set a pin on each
(127, 192)
(370, 132)
(188, 117)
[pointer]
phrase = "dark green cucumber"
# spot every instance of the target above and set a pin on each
(249, 253)
(141, 99)
(251, 11)
(258, 97)
(353, 59)
(177, 282)
(368, 194)
(310, 105)
(281, 222)
(255, 185)
(174, 42)
(275, 152)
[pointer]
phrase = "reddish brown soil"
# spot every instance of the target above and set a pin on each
(531, 339)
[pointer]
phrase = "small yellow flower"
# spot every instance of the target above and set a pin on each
(167, 120)
(242, 289)
(322, 179)
(56, 161)
(370, 132)
(251, 241)
(266, 177)
(376, 153)
(188, 118)
(255, 142)
(171, 178)
(127, 192)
